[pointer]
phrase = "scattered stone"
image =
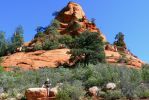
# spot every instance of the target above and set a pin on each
(19, 96)
(3, 96)
(110, 86)
(94, 90)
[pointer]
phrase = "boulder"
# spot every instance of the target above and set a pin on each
(94, 90)
(36, 93)
(110, 86)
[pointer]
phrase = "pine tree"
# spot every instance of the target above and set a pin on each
(87, 48)
(16, 40)
(119, 40)
(3, 44)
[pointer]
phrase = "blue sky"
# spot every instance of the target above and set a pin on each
(112, 16)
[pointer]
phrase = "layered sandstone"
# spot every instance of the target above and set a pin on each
(72, 15)
(51, 58)
(37, 59)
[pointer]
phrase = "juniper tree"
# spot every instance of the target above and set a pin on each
(88, 48)
(119, 40)
(17, 39)
(3, 44)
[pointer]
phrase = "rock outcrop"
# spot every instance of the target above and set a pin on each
(122, 56)
(37, 59)
(73, 21)
(51, 58)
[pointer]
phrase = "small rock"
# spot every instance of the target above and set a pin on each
(19, 96)
(94, 90)
(110, 86)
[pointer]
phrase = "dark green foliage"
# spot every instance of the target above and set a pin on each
(16, 40)
(38, 46)
(39, 35)
(48, 38)
(119, 40)
(74, 27)
(66, 40)
(3, 44)
(87, 48)
(52, 28)
(50, 44)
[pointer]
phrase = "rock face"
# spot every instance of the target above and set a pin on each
(51, 58)
(37, 59)
(73, 21)
(122, 56)
(72, 11)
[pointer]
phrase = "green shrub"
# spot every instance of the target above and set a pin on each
(39, 35)
(38, 46)
(66, 40)
(145, 72)
(1, 69)
(74, 90)
(62, 95)
(144, 94)
(130, 79)
(50, 44)
(77, 80)
(113, 95)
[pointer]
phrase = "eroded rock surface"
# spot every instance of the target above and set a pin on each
(37, 59)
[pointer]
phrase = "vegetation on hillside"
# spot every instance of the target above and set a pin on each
(119, 40)
(87, 48)
(131, 83)
(8, 46)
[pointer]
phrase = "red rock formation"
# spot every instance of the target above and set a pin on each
(37, 59)
(73, 13)
(38, 94)
(114, 54)
(70, 15)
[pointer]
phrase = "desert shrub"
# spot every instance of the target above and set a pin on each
(142, 91)
(38, 46)
(1, 69)
(144, 94)
(50, 44)
(77, 80)
(130, 79)
(74, 90)
(145, 72)
(113, 95)
(62, 95)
